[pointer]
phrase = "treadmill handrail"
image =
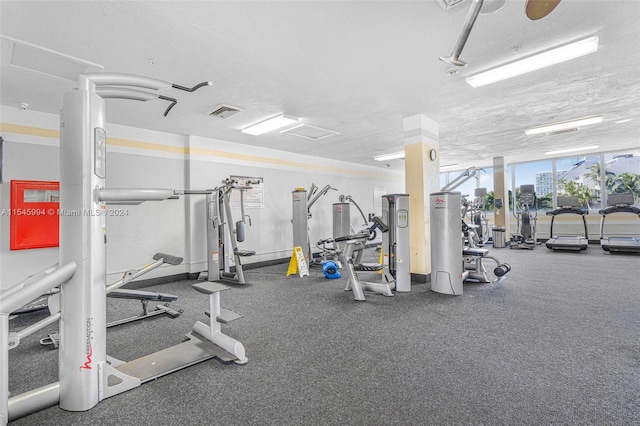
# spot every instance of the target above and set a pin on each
(567, 210)
(613, 210)
(620, 209)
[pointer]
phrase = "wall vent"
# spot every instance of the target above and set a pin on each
(224, 111)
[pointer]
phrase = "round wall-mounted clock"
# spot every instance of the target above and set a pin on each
(433, 154)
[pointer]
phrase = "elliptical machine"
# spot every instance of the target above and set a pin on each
(526, 219)
(478, 227)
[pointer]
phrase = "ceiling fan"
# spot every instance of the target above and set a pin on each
(535, 9)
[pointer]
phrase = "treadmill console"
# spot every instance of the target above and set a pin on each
(621, 200)
(568, 202)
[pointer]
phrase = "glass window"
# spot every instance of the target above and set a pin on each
(582, 180)
(539, 174)
(443, 180)
(622, 173)
(486, 181)
(41, 196)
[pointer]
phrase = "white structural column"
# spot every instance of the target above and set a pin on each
(422, 167)
(500, 192)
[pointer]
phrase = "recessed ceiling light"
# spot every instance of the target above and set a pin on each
(564, 151)
(535, 62)
(564, 125)
(392, 156)
(625, 120)
(269, 124)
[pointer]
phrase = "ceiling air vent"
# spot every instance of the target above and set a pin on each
(308, 131)
(559, 132)
(30, 57)
(224, 111)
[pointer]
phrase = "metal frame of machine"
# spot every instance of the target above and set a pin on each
(219, 215)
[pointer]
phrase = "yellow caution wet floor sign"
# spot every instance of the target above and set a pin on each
(298, 264)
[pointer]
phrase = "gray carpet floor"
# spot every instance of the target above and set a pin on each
(558, 342)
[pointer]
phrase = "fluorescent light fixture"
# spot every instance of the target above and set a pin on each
(535, 62)
(270, 124)
(624, 120)
(393, 156)
(564, 151)
(449, 166)
(564, 125)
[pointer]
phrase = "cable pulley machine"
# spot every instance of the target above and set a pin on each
(218, 216)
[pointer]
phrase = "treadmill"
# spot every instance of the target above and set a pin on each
(619, 203)
(568, 205)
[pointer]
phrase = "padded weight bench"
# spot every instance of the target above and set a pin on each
(474, 269)
(115, 290)
(244, 253)
(476, 252)
(144, 297)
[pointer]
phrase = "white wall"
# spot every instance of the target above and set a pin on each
(26, 157)
(138, 158)
(271, 235)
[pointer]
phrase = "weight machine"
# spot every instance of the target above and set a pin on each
(471, 231)
(342, 217)
(302, 201)
(526, 219)
(350, 255)
(396, 250)
(453, 263)
(219, 215)
(86, 375)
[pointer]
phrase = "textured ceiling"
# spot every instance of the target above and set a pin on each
(356, 68)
